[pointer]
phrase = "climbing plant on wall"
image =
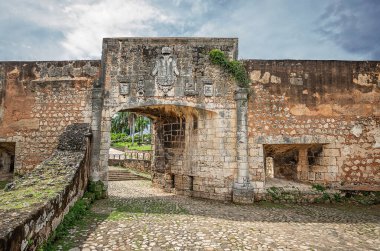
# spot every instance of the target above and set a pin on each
(234, 67)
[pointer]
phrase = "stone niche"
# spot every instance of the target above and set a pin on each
(7, 160)
(291, 161)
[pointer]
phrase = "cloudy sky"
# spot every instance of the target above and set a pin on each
(270, 29)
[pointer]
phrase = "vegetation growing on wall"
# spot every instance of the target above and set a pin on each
(77, 212)
(234, 67)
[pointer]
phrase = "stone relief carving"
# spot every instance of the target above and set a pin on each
(124, 88)
(190, 87)
(140, 86)
(208, 88)
(165, 70)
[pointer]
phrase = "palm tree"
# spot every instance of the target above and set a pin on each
(131, 121)
(119, 123)
(142, 123)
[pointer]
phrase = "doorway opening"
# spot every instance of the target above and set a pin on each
(165, 138)
(7, 162)
(292, 163)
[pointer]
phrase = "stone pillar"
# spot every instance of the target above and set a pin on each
(97, 107)
(303, 165)
(242, 191)
(269, 166)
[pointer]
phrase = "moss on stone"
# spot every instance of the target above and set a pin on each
(43, 183)
(3, 184)
(98, 189)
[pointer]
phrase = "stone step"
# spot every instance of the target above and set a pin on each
(124, 178)
(120, 175)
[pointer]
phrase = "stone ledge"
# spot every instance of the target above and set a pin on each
(33, 205)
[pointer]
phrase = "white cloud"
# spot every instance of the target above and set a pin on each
(89, 23)
(73, 29)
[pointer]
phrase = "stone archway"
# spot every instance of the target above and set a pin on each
(176, 143)
(201, 115)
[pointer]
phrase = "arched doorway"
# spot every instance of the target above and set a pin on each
(175, 141)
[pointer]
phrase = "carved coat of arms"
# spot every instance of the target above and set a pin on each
(165, 70)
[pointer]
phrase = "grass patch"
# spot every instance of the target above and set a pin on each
(3, 183)
(137, 207)
(81, 225)
(76, 213)
(77, 216)
(26, 196)
(121, 146)
(269, 204)
(38, 186)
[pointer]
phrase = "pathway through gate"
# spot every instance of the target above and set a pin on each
(146, 218)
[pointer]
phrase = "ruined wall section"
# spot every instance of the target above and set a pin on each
(32, 206)
(332, 103)
(38, 100)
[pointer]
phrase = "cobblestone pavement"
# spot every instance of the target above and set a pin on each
(138, 217)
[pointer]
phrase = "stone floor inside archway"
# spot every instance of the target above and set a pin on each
(146, 218)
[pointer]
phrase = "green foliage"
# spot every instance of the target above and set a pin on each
(95, 190)
(120, 137)
(77, 212)
(218, 57)
(3, 184)
(145, 206)
(275, 193)
(365, 198)
(119, 123)
(123, 123)
(337, 197)
(123, 145)
(318, 187)
(234, 67)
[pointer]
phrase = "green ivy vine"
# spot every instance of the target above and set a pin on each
(234, 67)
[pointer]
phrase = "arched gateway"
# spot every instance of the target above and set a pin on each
(200, 115)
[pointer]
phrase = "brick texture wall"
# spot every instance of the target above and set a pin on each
(332, 103)
(38, 100)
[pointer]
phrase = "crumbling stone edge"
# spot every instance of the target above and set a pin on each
(34, 224)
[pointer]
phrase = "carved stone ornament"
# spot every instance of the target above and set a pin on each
(190, 86)
(124, 88)
(208, 90)
(165, 70)
(140, 87)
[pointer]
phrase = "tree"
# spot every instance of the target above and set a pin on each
(131, 121)
(119, 123)
(142, 123)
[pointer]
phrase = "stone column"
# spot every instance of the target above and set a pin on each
(97, 107)
(269, 166)
(242, 190)
(303, 165)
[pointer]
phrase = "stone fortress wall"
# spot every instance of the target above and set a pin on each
(38, 101)
(326, 112)
(306, 121)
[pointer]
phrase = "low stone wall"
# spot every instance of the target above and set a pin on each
(33, 205)
(135, 164)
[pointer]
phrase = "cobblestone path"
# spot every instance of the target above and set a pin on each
(138, 217)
